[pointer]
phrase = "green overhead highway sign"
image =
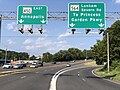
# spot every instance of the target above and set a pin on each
(32, 15)
(86, 15)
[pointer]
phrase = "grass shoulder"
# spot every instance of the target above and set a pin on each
(91, 63)
(113, 74)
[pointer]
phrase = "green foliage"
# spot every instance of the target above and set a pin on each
(99, 49)
(32, 57)
(47, 57)
(11, 55)
(99, 52)
(71, 54)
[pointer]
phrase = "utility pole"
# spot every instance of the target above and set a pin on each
(6, 55)
(0, 26)
(108, 66)
(86, 55)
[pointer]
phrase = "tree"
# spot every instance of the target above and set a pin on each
(76, 53)
(87, 54)
(47, 57)
(100, 51)
(11, 55)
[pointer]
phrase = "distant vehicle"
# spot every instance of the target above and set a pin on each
(18, 66)
(7, 65)
(53, 62)
(73, 60)
(34, 65)
(38, 63)
(24, 65)
(68, 65)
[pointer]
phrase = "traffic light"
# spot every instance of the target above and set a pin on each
(101, 30)
(87, 31)
(30, 30)
(21, 30)
(73, 31)
(40, 30)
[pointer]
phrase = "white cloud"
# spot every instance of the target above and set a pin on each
(35, 44)
(67, 33)
(30, 47)
(12, 26)
(117, 1)
(45, 45)
(27, 41)
(10, 42)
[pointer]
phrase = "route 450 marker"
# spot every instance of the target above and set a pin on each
(86, 15)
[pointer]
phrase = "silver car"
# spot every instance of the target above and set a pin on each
(34, 65)
(18, 66)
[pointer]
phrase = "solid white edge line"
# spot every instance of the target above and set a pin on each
(104, 78)
(57, 74)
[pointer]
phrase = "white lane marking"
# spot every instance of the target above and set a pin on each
(83, 79)
(78, 74)
(23, 77)
(36, 72)
(45, 70)
(57, 74)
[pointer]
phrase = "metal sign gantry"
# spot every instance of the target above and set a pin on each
(12, 15)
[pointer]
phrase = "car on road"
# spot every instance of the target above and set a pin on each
(7, 65)
(68, 65)
(18, 66)
(53, 62)
(24, 65)
(40, 63)
(34, 65)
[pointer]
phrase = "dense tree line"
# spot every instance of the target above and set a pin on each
(67, 55)
(12, 55)
(100, 48)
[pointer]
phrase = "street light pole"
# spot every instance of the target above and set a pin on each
(86, 55)
(6, 55)
(108, 66)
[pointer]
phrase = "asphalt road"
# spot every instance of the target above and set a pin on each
(83, 79)
(45, 65)
(34, 80)
(10, 69)
(64, 79)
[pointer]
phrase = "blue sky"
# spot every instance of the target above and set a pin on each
(56, 35)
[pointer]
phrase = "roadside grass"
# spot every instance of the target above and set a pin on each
(114, 74)
(93, 63)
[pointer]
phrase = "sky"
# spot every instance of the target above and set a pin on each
(56, 35)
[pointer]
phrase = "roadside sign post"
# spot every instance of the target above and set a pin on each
(86, 15)
(32, 15)
(108, 56)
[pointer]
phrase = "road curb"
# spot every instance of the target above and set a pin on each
(110, 80)
(6, 72)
